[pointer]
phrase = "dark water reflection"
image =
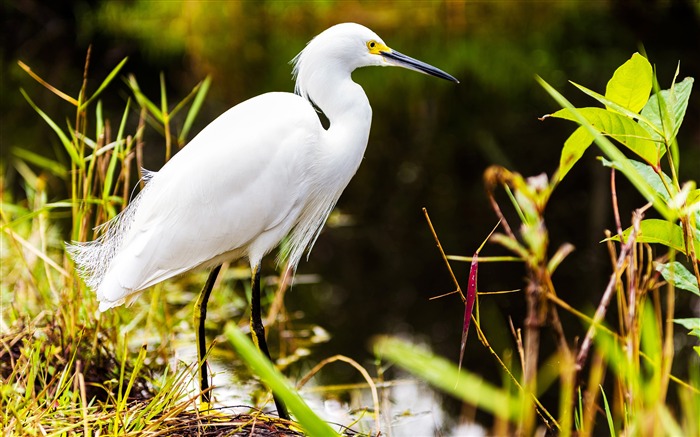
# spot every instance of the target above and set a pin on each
(430, 141)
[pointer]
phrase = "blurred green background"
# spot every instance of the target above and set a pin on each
(430, 143)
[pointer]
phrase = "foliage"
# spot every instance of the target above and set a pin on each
(66, 368)
(308, 420)
(100, 173)
(640, 352)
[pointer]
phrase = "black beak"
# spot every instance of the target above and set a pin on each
(400, 60)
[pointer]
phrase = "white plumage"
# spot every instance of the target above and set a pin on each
(263, 170)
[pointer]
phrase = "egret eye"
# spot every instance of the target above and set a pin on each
(372, 46)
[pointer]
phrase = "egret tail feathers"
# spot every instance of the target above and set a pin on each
(94, 258)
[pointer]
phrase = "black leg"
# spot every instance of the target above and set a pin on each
(200, 316)
(258, 331)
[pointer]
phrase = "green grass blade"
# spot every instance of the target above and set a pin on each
(443, 374)
(67, 143)
(608, 413)
(110, 77)
(40, 161)
(143, 101)
(25, 216)
(261, 366)
(578, 416)
(202, 90)
(163, 95)
(109, 177)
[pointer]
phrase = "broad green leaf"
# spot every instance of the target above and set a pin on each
(661, 232)
(693, 324)
(693, 204)
(679, 276)
(647, 124)
(682, 92)
(621, 128)
(651, 177)
(664, 106)
(694, 197)
(676, 99)
(612, 153)
(574, 147)
(631, 83)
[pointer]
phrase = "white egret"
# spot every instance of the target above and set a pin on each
(264, 170)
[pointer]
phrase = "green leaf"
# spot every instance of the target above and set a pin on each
(143, 101)
(608, 412)
(681, 91)
(202, 90)
(109, 176)
(679, 276)
(104, 84)
(676, 99)
(621, 128)
(651, 177)
(574, 147)
(163, 95)
(67, 143)
(647, 124)
(443, 374)
(692, 324)
(25, 215)
(50, 165)
(631, 83)
(660, 232)
(261, 366)
(99, 121)
(612, 153)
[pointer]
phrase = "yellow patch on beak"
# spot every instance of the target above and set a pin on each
(376, 48)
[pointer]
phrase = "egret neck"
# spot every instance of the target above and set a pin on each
(347, 108)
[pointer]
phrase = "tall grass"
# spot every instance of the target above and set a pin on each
(66, 368)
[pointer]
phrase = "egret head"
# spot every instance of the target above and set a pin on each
(345, 47)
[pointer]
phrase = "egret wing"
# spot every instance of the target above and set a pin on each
(240, 184)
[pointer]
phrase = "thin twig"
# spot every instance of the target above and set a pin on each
(541, 410)
(363, 372)
(616, 211)
(607, 295)
(444, 257)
